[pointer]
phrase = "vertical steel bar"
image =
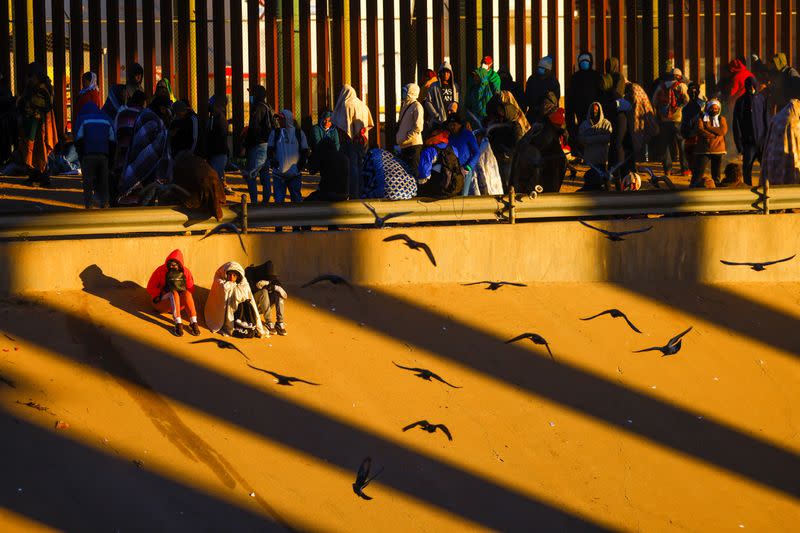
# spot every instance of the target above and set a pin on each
(306, 80)
(456, 34)
(355, 47)
(323, 57)
(755, 27)
(503, 33)
(520, 62)
(5, 47)
(487, 27)
(741, 31)
(389, 73)
(663, 32)
(407, 61)
(711, 46)
(569, 36)
(648, 53)
(96, 41)
(600, 34)
(237, 74)
(470, 37)
(680, 35)
(584, 16)
(786, 30)
(75, 52)
(771, 27)
(60, 66)
(218, 25)
(149, 46)
(438, 33)
(373, 73)
(725, 32)
(201, 56)
(694, 40)
(112, 38)
(40, 33)
(618, 30)
(536, 32)
(167, 48)
(253, 45)
(287, 24)
(183, 41)
(631, 41)
(421, 32)
(271, 52)
(552, 32)
(20, 29)
(131, 35)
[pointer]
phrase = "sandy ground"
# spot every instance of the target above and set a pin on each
(166, 435)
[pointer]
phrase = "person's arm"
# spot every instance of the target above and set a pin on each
(474, 151)
(718, 131)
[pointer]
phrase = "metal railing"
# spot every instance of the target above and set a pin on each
(498, 209)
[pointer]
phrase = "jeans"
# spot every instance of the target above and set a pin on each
(281, 183)
(470, 185)
(95, 176)
(218, 163)
(700, 168)
(257, 167)
(673, 146)
(265, 302)
(750, 153)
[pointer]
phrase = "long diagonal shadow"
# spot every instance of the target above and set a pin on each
(661, 423)
(447, 487)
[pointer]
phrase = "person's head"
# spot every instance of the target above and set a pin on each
(258, 94)
(35, 72)
(676, 74)
(280, 119)
(733, 175)
(137, 99)
(136, 73)
(713, 107)
(453, 125)
(445, 75)
(410, 91)
(430, 76)
(325, 119)
(750, 85)
(160, 105)
(594, 112)
(87, 79)
(487, 63)
(180, 109)
(694, 91)
(218, 102)
(545, 66)
(232, 275)
(173, 265)
(585, 61)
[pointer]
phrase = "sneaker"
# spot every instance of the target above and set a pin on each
(280, 328)
(178, 330)
(271, 327)
(194, 329)
(686, 173)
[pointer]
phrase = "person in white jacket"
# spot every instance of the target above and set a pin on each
(231, 308)
(288, 150)
(409, 128)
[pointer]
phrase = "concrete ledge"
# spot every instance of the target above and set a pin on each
(682, 248)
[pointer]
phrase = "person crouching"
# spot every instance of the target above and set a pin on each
(231, 308)
(171, 286)
(268, 294)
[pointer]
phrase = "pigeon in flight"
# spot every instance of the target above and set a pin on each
(536, 339)
(615, 313)
(414, 245)
(430, 428)
(758, 267)
(222, 344)
(226, 226)
(363, 478)
(336, 280)
(494, 285)
(616, 235)
(280, 379)
(381, 221)
(671, 348)
(425, 374)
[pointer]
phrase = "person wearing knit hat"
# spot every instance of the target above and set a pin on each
(483, 83)
(670, 98)
(541, 82)
(712, 128)
(585, 87)
(487, 63)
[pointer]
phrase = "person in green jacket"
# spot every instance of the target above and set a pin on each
(324, 130)
(483, 83)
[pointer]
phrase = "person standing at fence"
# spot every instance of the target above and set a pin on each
(133, 80)
(482, 85)
(712, 128)
(353, 119)
(690, 118)
(261, 124)
(38, 136)
(288, 150)
(749, 120)
(541, 82)
(585, 86)
(184, 130)
(613, 86)
(669, 100)
(786, 81)
(466, 146)
(89, 91)
(781, 159)
(434, 105)
(163, 88)
(95, 141)
(447, 85)
(8, 120)
(217, 137)
(409, 128)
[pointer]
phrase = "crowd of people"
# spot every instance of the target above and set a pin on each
(483, 138)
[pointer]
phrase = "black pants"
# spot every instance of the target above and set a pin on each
(411, 157)
(750, 153)
(700, 168)
(672, 144)
(94, 168)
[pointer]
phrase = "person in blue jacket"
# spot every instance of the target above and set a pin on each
(95, 141)
(466, 147)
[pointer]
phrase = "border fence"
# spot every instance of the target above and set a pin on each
(303, 51)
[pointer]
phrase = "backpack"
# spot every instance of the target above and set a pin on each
(668, 100)
(446, 179)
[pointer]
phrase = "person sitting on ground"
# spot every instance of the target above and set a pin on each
(94, 141)
(711, 146)
(733, 176)
(409, 128)
(387, 176)
(465, 143)
(288, 151)
(231, 309)
(89, 92)
(170, 287)
(334, 168)
(184, 129)
(269, 293)
(595, 137)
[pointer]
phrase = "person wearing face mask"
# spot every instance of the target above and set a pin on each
(541, 82)
(669, 99)
(585, 87)
(409, 128)
(749, 128)
(712, 128)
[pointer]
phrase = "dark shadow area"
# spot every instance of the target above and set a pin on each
(100, 492)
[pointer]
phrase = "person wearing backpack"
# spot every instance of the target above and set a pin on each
(288, 152)
(669, 100)
(440, 174)
(255, 143)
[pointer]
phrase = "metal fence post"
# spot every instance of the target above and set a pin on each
(244, 213)
(512, 205)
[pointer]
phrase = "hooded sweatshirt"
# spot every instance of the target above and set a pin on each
(595, 136)
(225, 297)
(483, 84)
(351, 115)
(157, 283)
(289, 147)
(435, 105)
(265, 273)
(449, 89)
(738, 74)
(409, 128)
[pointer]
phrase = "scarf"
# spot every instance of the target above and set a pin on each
(92, 85)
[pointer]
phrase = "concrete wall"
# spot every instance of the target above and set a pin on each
(682, 248)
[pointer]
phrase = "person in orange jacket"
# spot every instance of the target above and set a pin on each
(171, 286)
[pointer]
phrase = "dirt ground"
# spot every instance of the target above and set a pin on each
(166, 435)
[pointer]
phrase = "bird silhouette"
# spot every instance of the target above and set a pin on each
(425, 374)
(655, 180)
(536, 339)
(607, 175)
(333, 278)
(226, 226)
(616, 235)
(414, 245)
(280, 379)
(363, 478)
(615, 313)
(222, 344)
(430, 428)
(758, 267)
(381, 221)
(494, 285)
(671, 348)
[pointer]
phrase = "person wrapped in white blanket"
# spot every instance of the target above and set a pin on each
(231, 308)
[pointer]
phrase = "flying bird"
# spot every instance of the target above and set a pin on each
(615, 313)
(494, 285)
(381, 221)
(425, 374)
(363, 478)
(226, 226)
(616, 235)
(430, 428)
(280, 379)
(655, 180)
(336, 280)
(222, 344)
(758, 267)
(414, 245)
(536, 339)
(671, 348)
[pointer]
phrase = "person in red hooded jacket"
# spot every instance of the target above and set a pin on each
(171, 287)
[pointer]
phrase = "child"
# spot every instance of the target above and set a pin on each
(171, 287)
(268, 293)
(95, 141)
(733, 176)
(231, 308)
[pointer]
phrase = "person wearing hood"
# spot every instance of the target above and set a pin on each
(645, 123)
(170, 288)
(409, 128)
(184, 129)
(148, 156)
(482, 85)
(613, 86)
(217, 137)
(38, 135)
(506, 125)
(288, 151)
(269, 292)
(466, 145)
(95, 142)
(712, 128)
(353, 119)
(133, 80)
(786, 81)
(163, 88)
(595, 136)
(669, 99)
(324, 129)
(749, 126)
(541, 82)
(434, 104)
(781, 158)
(447, 85)
(231, 308)
(585, 87)
(255, 143)
(507, 83)
(89, 92)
